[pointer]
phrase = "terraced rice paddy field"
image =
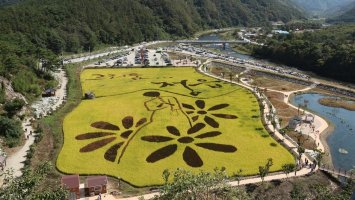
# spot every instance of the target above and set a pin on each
(144, 121)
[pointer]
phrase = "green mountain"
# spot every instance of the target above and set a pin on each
(346, 17)
(8, 2)
(75, 23)
(41, 29)
(322, 7)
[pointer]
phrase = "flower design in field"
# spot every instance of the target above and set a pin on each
(209, 114)
(192, 138)
(211, 84)
(110, 134)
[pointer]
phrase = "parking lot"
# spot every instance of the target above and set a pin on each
(137, 57)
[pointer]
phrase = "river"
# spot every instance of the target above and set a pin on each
(228, 50)
(343, 137)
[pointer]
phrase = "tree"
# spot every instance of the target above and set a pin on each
(288, 168)
(238, 175)
(13, 106)
(297, 193)
(25, 187)
(204, 185)
(283, 133)
(11, 130)
(264, 170)
(319, 156)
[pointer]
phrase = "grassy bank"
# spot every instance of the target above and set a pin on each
(51, 126)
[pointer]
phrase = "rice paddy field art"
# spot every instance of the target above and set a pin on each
(144, 121)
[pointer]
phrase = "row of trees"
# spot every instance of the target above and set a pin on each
(329, 52)
(183, 185)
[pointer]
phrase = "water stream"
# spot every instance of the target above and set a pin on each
(342, 141)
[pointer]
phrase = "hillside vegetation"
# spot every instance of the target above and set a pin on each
(329, 52)
(323, 7)
(347, 17)
(41, 29)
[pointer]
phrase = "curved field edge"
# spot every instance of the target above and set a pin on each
(64, 169)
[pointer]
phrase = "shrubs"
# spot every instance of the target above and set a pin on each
(26, 82)
(12, 107)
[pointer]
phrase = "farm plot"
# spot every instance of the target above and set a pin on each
(144, 121)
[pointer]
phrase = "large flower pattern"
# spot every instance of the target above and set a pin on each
(110, 134)
(209, 114)
(187, 141)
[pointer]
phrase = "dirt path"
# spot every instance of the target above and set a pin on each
(15, 162)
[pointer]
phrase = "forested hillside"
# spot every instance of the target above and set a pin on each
(347, 17)
(329, 52)
(34, 29)
(322, 7)
(8, 2)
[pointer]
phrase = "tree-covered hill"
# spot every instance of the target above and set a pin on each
(329, 52)
(323, 7)
(34, 29)
(8, 2)
(70, 25)
(347, 17)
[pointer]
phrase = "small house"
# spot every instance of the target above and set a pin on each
(72, 183)
(48, 92)
(95, 185)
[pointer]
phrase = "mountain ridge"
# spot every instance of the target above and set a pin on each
(323, 7)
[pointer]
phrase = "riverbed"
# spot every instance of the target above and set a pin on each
(341, 141)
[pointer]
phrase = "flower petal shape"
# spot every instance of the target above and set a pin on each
(162, 153)
(209, 134)
(105, 126)
(141, 122)
(218, 107)
(195, 118)
(156, 138)
(197, 127)
(96, 145)
(210, 121)
(126, 134)
(127, 122)
(92, 135)
(152, 94)
(225, 116)
(111, 153)
(190, 112)
(173, 130)
(200, 104)
(218, 147)
(188, 106)
(191, 157)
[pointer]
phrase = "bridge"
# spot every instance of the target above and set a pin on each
(338, 172)
(213, 41)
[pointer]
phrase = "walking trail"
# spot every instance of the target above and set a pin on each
(320, 125)
(15, 162)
